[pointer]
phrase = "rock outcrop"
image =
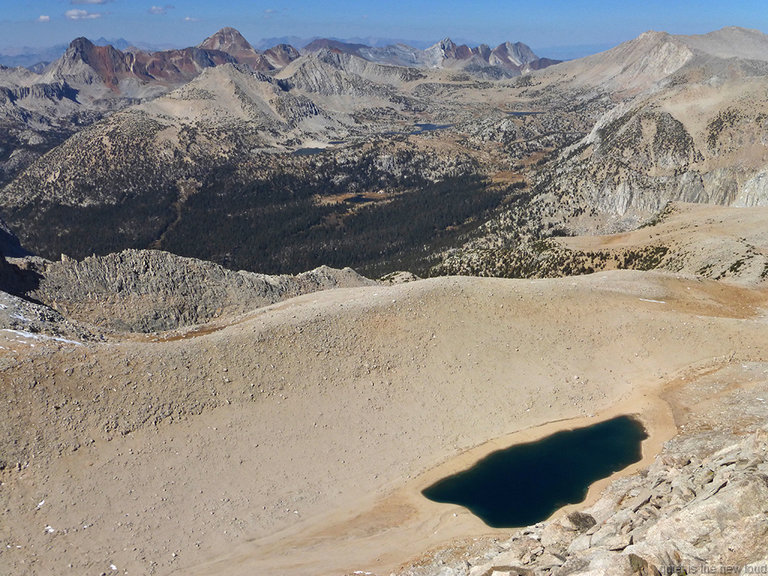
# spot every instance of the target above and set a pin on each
(149, 290)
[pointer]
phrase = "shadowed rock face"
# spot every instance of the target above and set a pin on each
(10, 246)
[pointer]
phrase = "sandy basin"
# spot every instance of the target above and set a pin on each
(321, 419)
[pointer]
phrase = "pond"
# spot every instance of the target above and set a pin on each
(307, 151)
(420, 128)
(524, 484)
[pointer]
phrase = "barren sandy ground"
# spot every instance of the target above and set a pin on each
(296, 440)
(703, 240)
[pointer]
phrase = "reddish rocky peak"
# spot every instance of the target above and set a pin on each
(231, 42)
(168, 68)
(227, 40)
(109, 63)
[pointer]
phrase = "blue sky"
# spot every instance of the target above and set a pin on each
(537, 23)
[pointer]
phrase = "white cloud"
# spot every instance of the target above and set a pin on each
(190, 19)
(159, 10)
(43, 18)
(81, 15)
(89, 1)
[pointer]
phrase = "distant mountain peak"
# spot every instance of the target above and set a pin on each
(517, 54)
(227, 40)
(231, 42)
(281, 55)
(449, 50)
(80, 45)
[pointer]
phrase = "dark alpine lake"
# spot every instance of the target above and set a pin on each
(423, 127)
(526, 483)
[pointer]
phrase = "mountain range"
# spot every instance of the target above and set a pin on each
(506, 59)
(597, 144)
(41, 107)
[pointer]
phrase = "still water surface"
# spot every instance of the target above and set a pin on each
(526, 483)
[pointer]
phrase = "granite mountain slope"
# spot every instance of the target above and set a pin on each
(697, 130)
(687, 123)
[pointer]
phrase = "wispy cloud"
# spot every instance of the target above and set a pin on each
(82, 15)
(89, 1)
(190, 19)
(43, 18)
(269, 12)
(160, 10)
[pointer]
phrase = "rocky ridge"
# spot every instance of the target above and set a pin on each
(505, 60)
(150, 291)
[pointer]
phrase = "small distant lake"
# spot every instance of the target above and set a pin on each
(419, 128)
(524, 484)
(523, 113)
(307, 151)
